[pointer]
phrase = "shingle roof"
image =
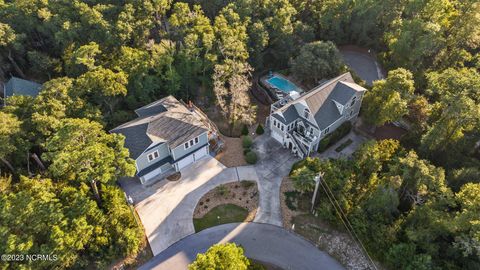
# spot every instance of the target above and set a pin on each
(16, 86)
(320, 99)
(174, 126)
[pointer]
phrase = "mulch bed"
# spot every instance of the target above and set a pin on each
(243, 194)
(174, 177)
(232, 152)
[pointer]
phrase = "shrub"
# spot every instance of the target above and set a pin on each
(247, 142)
(251, 157)
(335, 136)
(222, 190)
(247, 184)
(244, 130)
(259, 129)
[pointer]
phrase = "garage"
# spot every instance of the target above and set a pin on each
(185, 162)
(200, 153)
(152, 174)
(277, 136)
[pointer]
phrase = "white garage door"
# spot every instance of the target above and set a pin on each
(277, 137)
(185, 162)
(200, 153)
(152, 174)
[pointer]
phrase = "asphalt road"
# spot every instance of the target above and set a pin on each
(262, 242)
(363, 64)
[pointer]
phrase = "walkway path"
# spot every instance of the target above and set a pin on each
(266, 243)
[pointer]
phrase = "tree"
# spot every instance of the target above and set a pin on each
(458, 116)
(419, 111)
(303, 179)
(317, 60)
(9, 129)
(388, 100)
(451, 82)
(80, 151)
(103, 86)
(221, 256)
(231, 83)
(82, 59)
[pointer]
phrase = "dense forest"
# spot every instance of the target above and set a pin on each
(415, 202)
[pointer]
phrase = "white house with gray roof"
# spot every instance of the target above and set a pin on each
(166, 137)
(299, 122)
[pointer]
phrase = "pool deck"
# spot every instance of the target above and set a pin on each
(272, 91)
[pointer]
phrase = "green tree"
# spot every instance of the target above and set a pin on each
(82, 152)
(458, 116)
(303, 179)
(388, 100)
(9, 129)
(317, 60)
(221, 256)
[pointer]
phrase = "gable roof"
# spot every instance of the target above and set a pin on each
(16, 86)
(163, 121)
(321, 99)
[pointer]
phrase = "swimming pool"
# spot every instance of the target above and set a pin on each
(282, 84)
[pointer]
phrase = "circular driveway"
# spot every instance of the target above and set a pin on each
(262, 242)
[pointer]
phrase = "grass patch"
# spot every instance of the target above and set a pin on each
(226, 213)
(343, 145)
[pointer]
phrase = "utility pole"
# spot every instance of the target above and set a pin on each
(318, 179)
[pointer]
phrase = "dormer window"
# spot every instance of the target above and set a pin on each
(306, 114)
(353, 101)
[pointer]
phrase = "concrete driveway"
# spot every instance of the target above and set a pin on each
(266, 243)
(273, 165)
(166, 208)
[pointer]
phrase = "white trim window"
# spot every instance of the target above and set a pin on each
(152, 156)
(191, 143)
(327, 130)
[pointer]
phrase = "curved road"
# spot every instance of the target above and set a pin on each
(262, 242)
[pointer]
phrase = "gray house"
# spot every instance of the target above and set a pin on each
(167, 136)
(16, 87)
(299, 122)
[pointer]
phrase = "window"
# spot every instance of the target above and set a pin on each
(353, 101)
(191, 143)
(274, 122)
(351, 112)
(282, 128)
(326, 130)
(306, 113)
(152, 156)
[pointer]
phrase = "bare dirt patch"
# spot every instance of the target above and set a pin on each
(243, 194)
(232, 152)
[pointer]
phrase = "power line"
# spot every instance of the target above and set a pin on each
(342, 216)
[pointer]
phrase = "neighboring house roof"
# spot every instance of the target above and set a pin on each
(174, 125)
(321, 99)
(16, 86)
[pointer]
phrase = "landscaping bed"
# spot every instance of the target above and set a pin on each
(229, 156)
(242, 194)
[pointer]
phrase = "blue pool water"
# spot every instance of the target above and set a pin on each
(282, 84)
